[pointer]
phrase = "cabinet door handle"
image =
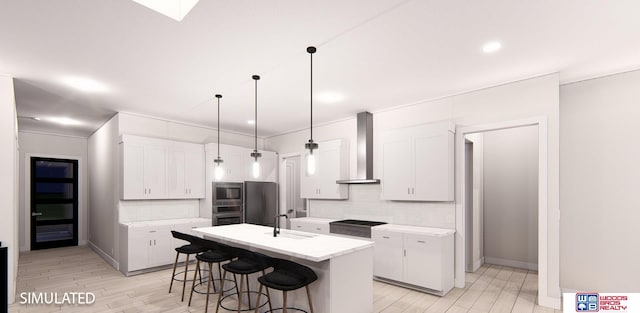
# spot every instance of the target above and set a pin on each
(154, 242)
(405, 252)
(413, 191)
(149, 190)
(145, 191)
(421, 241)
(149, 243)
(408, 191)
(317, 228)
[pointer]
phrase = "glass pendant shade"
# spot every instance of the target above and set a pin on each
(256, 169)
(311, 163)
(219, 172)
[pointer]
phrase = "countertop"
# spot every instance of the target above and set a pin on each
(315, 220)
(167, 222)
(312, 247)
(439, 232)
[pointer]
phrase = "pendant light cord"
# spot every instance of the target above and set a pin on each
(219, 127)
(311, 97)
(256, 117)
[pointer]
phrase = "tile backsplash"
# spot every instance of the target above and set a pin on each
(152, 210)
(364, 203)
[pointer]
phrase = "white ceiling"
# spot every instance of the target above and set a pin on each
(377, 54)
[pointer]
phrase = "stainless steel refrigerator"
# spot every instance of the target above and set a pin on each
(260, 203)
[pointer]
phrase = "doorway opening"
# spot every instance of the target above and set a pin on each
(54, 202)
(501, 188)
(293, 205)
(548, 275)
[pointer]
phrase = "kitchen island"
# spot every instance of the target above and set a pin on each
(344, 266)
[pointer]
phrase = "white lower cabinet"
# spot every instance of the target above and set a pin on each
(388, 255)
(145, 245)
(311, 225)
(416, 257)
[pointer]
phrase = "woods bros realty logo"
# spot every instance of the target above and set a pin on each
(601, 302)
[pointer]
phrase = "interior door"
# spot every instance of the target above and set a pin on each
(54, 203)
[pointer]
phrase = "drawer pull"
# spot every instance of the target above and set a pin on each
(152, 231)
(298, 226)
(421, 241)
(318, 228)
(385, 237)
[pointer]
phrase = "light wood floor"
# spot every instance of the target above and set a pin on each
(491, 289)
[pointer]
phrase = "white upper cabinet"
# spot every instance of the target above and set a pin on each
(186, 171)
(238, 164)
(144, 168)
(332, 164)
(160, 169)
(417, 163)
(232, 157)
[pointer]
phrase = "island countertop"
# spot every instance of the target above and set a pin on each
(308, 246)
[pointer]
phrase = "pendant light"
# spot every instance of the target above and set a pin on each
(218, 170)
(255, 154)
(311, 160)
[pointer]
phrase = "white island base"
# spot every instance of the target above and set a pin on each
(344, 266)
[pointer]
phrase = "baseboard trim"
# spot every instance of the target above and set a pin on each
(512, 263)
(477, 264)
(111, 261)
(550, 302)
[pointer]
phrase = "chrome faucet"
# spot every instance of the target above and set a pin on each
(276, 224)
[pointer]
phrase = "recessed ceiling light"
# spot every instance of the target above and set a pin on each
(64, 121)
(329, 97)
(491, 46)
(251, 122)
(175, 9)
(85, 84)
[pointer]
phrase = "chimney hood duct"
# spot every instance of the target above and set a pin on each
(365, 151)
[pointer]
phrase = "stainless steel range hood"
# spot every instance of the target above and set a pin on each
(365, 152)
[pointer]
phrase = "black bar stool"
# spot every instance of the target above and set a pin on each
(247, 263)
(188, 249)
(217, 253)
(287, 276)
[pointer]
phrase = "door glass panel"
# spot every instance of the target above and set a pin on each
(48, 169)
(49, 191)
(63, 211)
(46, 233)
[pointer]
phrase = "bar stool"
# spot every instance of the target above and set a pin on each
(247, 263)
(217, 253)
(287, 276)
(188, 249)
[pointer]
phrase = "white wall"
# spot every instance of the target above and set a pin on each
(43, 145)
(536, 97)
(511, 197)
(103, 191)
(600, 166)
(9, 180)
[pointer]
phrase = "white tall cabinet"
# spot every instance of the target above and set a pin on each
(332, 164)
(417, 163)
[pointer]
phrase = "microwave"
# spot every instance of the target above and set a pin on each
(225, 194)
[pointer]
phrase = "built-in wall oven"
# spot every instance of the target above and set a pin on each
(227, 203)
